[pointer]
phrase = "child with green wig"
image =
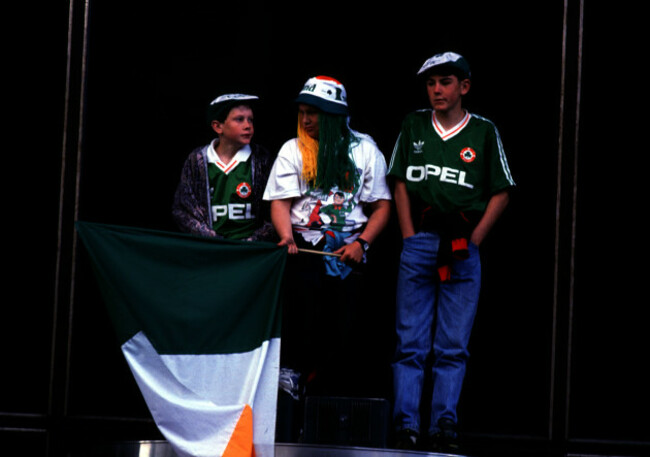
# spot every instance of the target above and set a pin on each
(328, 157)
(328, 192)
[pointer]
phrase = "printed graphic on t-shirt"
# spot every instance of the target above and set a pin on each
(331, 208)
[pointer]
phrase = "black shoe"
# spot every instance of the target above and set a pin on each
(406, 440)
(446, 440)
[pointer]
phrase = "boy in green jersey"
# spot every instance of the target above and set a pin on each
(221, 185)
(451, 182)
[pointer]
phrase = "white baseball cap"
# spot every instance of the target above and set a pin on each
(449, 60)
(220, 106)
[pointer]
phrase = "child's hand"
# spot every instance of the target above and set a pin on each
(352, 252)
(290, 244)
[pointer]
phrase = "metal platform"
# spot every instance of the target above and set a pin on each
(163, 449)
(313, 450)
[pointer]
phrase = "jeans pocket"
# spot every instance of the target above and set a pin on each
(415, 236)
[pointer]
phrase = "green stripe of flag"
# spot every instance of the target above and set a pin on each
(189, 295)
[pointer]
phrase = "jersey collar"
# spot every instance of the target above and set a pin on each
(241, 156)
(446, 134)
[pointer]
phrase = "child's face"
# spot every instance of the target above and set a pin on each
(308, 116)
(446, 91)
(238, 126)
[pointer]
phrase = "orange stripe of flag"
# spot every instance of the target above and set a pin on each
(241, 440)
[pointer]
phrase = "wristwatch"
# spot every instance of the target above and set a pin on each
(364, 244)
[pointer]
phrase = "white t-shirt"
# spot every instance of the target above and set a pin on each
(314, 210)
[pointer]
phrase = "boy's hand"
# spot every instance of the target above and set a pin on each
(290, 244)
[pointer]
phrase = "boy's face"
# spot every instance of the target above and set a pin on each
(308, 116)
(238, 126)
(446, 92)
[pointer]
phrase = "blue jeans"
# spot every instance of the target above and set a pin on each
(432, 317)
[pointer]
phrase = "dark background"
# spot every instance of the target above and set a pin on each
(106, 99)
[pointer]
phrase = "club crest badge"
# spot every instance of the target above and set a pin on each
(468, 155)
(244, 190)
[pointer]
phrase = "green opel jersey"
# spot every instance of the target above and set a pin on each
(231, 196)
(453, 170)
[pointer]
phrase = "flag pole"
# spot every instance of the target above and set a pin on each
(311, 251)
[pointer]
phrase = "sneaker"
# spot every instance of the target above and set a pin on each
(406, 440)
(446, 440)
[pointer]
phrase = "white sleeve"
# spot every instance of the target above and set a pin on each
(374, 186)
(284, 179)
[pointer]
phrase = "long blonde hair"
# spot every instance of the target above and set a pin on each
(309, 149)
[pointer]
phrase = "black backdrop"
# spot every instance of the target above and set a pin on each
(109, 99)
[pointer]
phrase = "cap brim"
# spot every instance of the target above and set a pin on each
(321, 104)
(445, 69)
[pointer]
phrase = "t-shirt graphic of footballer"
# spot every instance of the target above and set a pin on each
(331, 209)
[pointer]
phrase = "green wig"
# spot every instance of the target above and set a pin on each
(335, 167)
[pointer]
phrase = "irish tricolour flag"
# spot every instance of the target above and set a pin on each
(199, 325)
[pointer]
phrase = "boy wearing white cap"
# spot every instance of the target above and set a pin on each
(221, 185)
(452, 183)
(328, 192)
